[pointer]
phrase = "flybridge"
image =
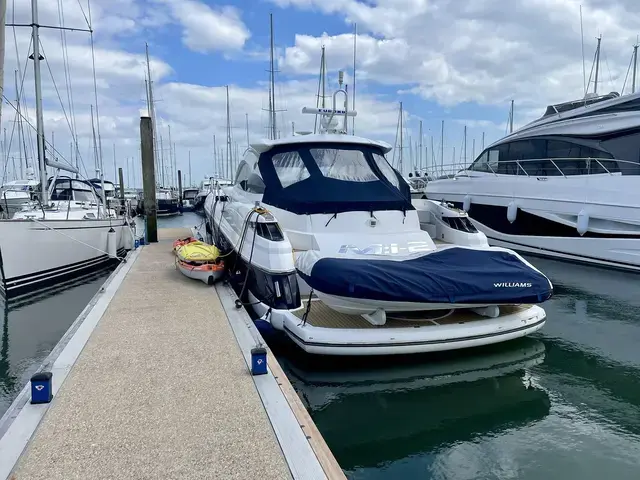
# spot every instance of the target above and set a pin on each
(329, 122)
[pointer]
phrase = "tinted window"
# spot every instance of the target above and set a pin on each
(290, 168)
(486, 162)
(243, 175)
(386, 169)
(255, 184)
(62, 190)
(84, 196)
(624, 147)
(350, 165)
(548, 157)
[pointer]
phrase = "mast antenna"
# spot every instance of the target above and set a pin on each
(328, 116)
(355, 43)
(584, 71)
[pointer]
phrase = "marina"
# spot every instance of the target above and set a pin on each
(268, 282)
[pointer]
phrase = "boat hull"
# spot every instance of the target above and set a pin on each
(38, 255)
(336, 338)
(541, 215)
(187, 206)
(207, 276)
(168, 207)
(11, 205)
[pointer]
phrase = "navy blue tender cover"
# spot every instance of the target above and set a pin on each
(453, 275)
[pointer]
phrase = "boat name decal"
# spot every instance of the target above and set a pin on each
(513, 285)
(387, 249)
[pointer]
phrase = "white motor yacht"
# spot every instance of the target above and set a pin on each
(564, 186)
(325, 242)
(14, 194)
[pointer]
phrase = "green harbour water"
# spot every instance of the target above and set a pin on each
(562, 404)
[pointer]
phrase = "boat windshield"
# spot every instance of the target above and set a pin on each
(189, 194)
(68, 189)
(331, 178)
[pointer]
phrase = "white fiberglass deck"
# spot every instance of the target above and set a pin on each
(332, 333)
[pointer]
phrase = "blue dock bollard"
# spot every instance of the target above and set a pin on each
(41, 387)
(258, 361)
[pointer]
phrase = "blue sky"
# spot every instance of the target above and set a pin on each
(460, 61)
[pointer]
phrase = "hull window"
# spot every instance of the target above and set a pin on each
(270, 231)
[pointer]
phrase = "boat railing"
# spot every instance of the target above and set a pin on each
(538, 167)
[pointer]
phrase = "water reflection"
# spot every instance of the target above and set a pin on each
(563, 404)
(409, 407)
(33, 325)
(8, 380)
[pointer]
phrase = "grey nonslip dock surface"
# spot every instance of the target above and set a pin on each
(161, 390)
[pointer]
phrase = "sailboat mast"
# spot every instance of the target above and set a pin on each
(246, 119)
(151, 107)
(3, 18)
(321, 80)
(401, 146)
(39, 117)
(433, 157)
(19, 120)
(635, 68)
(229, 152)
(215, 156)
(161, 163)
(272, 88)
(465, 145)
(595, 84)
(170, 158)
(190, 184)
(420, 146)
(511, 118)
(442, 146)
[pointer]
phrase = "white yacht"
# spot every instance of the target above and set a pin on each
(563, 186)
(14, 194)
(188, 198)
(66, 230)
(206, 187)
(167, 202)
(325, 242)
(72, 234)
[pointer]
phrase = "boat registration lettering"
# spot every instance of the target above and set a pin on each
(387, 249)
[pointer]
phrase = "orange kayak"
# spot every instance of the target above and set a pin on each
(182, 241)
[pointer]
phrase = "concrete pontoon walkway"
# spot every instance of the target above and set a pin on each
(161, 390)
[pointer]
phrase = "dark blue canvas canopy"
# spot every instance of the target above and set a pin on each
(453, 275)
(317, 193)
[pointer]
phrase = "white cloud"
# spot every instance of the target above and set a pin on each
(451, 51)
(207, 29)
(476, 51)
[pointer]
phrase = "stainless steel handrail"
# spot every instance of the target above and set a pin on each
(458, 169)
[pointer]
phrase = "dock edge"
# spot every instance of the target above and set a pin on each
(302, 444)
(20, 421)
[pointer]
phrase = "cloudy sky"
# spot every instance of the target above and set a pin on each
(461, 61)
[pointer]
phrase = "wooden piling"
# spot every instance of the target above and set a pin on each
(148, 179)
(123, 208)
(180, 188)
